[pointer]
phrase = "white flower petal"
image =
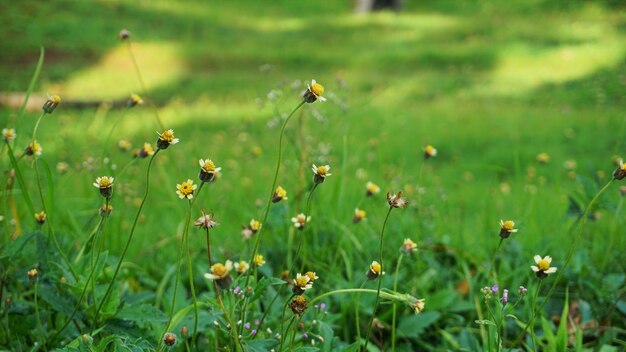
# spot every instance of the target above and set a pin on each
(537, 258)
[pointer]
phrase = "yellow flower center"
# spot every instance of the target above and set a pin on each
(105, 182)
(258, 260)
(302, 281)
(219, 270)
(56, 99)
(373, 188)
(186, 188)
(147, 148)
(317, 89)
(322, 170)
(36, 147)
(311, 276)
(300, 300)
(281, 192)
(360, 213)
(168, 136)
(543, 265)
(375, 268)
(430, 150)
(508, 225)
(255, 225)
(208, 166)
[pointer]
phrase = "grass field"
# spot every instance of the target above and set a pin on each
(489, 85)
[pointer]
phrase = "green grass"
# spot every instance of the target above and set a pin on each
(489, 85)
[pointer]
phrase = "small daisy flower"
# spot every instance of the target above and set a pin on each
(300, 220)
(418, 306)
(105, 184)
(408, 246)
(298, 305)
(358, 215)
(33, 149)
(375, 271)
(241, 266)
(208, 170)
(165, 139)
(543, 268)
(429, 152)
(40, 217)
(169, 339)
(507, 228)
(314, 92)
(220, 273)
(124, 145)
(8, 134)
(543, 158)
(312, 276)
(301, 283)
(620, 172)
(185, 189)
(258, 260)
(255, 225)
(205, 221)
(134, 100)
(124, 34)
(396, 200)
(146, 151)
(279, 195)
(32, 274)
(51, 103)
(371, 188)
(320, 173)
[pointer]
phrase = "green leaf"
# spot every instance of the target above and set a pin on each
(484, 322)
(412, 326)
(141, 313)
(260, 345)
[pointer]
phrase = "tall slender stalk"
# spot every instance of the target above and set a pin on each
(394, 308)
(380, 279)
(130, 238)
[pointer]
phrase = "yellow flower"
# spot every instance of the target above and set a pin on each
(543, 158)
(134, 100)
(185, 189)
(123, 145)
(8, 134)
(358, 215)
(51, 103)
(208, 170)
(312, 276)
(543, 268)
(301, 283)
(33, 149)
(105, 184)
(314, 92)
(507, 228)
(219, 271)
(146, 151)
(40, 217)
(166, 138)
(279, 194)
(408, 246)
(320, 173)
(429, 152)
(258, 260)
(242, 266)
(255, 225)
(375, 270)
(32, 274)
(300, 220)
(371, 189)
(620, 172)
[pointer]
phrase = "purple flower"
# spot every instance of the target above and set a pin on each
(505, 296)
(305, 336)
(323, 306)
(237, 290)
(494, 288)
(247, 326)
(522, 290)
(253, 332)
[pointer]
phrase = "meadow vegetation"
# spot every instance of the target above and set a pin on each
(398, 200)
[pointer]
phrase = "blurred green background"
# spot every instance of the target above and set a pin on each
(490, 84)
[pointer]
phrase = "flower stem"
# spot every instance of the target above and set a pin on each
(531, 323)
(393, 309)
(39, 325)
(380, 279)
(143, 86)
(190, 270)
(493, 261)
(357, 303)
(130, 238)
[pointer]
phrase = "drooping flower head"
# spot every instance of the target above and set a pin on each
(358, 215)
(429, 152)
(543, 268)
(51, 103)
(8, 134)
(300, 220)
(33, 149)
(620, 172)
(279, 195)
(375, 271)
(301, 283)
(408, 246)
(134, 100)
(105, 184)
(185, 189)
(208, 170)
(165, 139)
(371, 188)
(320, 173)
(507, 228)
(396, 200)
(314, 92)
(205, 221)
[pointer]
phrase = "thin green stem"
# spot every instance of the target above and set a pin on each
(531, 323)
(380, 279)
(190, 270)
(357, 320)
(493, 261)
(143, 86)
(39, 325)
(282, 337)
(130, 237)
(393, 309)
(282, 321)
